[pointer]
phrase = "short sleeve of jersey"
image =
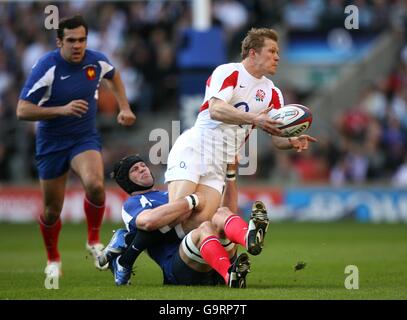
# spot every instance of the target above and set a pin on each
(131, 209)
(37, 83)
(223, 82)
(107, 67)
(277, 99)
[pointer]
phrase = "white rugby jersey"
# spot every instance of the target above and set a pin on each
(233, 84)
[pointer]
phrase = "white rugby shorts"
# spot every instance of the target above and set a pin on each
(191, 159)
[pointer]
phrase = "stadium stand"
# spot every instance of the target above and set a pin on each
(362, 135)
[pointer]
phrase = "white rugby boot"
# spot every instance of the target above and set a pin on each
(53, 269)
(96, 250)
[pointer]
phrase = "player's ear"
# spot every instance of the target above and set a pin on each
(59, 43)
(252, 52)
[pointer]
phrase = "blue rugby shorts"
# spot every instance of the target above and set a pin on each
(53, 164)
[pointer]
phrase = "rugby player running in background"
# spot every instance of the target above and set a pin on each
(61, 93)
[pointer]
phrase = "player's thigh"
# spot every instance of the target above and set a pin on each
(213, 199)
(178, 189)
(88, 165)
(53, 193)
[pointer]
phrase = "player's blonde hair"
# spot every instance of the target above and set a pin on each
(255, 39)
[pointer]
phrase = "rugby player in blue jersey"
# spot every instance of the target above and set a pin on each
(207, 255)
(61, 94)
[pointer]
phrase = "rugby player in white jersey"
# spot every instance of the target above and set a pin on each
(238, 97)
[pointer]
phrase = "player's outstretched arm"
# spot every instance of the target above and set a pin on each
(27, 110)
(126, 117)
(299, 143)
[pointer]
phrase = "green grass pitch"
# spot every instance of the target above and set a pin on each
(379, 252)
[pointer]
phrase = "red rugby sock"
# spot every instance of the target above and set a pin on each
(94, 217)
(216, 256)
(50, 235)
(236, 229)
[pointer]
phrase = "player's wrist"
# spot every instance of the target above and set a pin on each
(251, 118)
(291, 141)
(193, 201)
(60, 111)
(124, 107)
(231, 175)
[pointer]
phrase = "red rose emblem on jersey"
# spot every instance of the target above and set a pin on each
(260, 94)
(90, 73)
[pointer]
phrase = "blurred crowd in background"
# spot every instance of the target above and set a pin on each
(141, 37)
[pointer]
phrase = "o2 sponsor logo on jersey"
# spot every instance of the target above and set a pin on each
(260, 95)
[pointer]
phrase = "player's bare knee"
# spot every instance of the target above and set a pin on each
(223, 211)
(219, 218)
(205, 230)
(51, 213)
(206, 226)
(95, 192)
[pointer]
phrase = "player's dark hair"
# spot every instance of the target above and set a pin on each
(71, 23)
(255, 39)
(121, 174)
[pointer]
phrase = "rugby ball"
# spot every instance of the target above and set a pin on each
(296, 119)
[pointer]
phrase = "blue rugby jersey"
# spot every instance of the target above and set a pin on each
(56, 82)
(132, 207)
